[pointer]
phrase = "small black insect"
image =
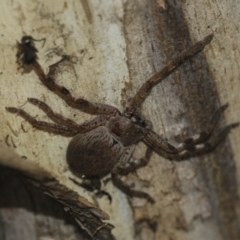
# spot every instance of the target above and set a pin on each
(26, 49)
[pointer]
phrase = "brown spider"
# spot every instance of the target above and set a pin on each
(105, 144)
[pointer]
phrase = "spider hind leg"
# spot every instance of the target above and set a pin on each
(204, 147)
(196, 145)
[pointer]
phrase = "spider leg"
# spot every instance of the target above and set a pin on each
(128, 190)
(206, 146)
(132, 166)
(101, 193)
(49, 127)
(125, 167)
(204, 135)
(146, 88)
(58, 118)
(93, 184)
(79, 103)
(154, 141)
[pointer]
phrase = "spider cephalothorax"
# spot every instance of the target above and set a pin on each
(104, 144)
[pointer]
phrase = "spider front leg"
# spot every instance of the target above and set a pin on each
(79, 103)
(146, 88)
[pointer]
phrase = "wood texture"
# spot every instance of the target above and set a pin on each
(115, 46)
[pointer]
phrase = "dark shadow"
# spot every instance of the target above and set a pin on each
(17, 192)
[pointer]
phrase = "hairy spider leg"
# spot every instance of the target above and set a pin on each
(58, 118)
(207, 146)
(154, 141)
(204, 135)
(146, 88)
(128, 190)
(131, 166)
(78, 103)
(45, 126)
(126, 167)
(67, 130)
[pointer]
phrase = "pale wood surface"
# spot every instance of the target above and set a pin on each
(117, 45)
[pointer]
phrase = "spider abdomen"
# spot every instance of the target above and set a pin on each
(93, 153)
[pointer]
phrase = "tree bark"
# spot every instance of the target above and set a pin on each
(115, 46)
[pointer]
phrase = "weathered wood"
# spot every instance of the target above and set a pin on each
(116, 46)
